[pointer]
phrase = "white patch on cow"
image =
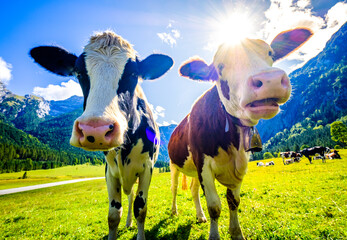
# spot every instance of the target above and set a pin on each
(111, 159)
(133, 166)
(106, 56)
(189, 167)
(239, 63)
(229, 167)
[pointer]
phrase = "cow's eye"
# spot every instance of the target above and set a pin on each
(270, 53)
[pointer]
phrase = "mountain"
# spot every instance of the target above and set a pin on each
(165, 134)
(64, 106)
(27, 112)
(24, 113)
(319, 89)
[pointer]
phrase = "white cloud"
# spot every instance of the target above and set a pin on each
(170, 37)
(59, 92)
(157, 111)
(166, 123)
(283, 15)
(5, 71)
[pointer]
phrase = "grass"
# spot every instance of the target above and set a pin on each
(12, 180)
(297, 201)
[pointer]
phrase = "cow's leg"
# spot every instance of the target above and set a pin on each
(130, 206)
(194, 188)
(323, 159)
(140, 204)
(309, 158)
(174, 185)
(115, 206)
(206, 178)
(233, 198)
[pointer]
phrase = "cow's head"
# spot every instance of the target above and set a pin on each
(248, 86)
(108, 71)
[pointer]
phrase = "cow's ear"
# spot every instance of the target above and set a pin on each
(197, 69)
(54, 59)
(154, 66)
(288, 41)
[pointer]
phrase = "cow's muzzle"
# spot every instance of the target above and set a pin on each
(96, 135)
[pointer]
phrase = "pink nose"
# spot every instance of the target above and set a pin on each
(96, 134)
(276, 79)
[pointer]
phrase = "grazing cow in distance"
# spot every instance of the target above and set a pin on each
(334, 154)
(271, 163)
(294, 157)
(260, 164)
(215, 139)
(308, 152)
(116, 119)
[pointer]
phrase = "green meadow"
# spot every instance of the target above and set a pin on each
(14, 180)
(297, 201)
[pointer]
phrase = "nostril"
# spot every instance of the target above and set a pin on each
(112, 129)
(79, 130)
(91, 139)
(257, 83)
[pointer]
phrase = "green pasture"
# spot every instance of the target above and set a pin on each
(13, 180)
(297, 201)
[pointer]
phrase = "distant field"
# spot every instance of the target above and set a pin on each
(297, 201)
(12, 180)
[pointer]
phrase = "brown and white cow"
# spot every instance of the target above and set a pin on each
(290, 157)
(215, 139)
(333, 154)
(116, 118)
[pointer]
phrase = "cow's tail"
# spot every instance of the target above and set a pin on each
(184, 182)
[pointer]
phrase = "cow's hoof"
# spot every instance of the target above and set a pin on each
(214, 237)
(236, 233)
(128, 225)
(201, 219)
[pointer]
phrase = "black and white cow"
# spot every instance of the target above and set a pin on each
(116, 118)
(215, 139)
(321, 151)
(260, 164)
(271, 163)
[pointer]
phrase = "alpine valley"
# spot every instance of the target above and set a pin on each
(319, 98)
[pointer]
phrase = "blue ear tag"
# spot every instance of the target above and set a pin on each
(226, 125)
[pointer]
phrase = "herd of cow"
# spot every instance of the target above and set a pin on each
(213, 142)
(314, 152)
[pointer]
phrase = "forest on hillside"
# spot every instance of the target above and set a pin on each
(20, 151)
(308, 133)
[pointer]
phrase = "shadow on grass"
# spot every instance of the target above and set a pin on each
(181, 233)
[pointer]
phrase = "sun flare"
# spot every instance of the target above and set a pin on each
(233, 28)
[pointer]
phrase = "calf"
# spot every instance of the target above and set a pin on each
(308, 152)
(116, 118)
(215, 139)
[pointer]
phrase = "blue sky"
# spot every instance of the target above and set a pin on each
(180, 29)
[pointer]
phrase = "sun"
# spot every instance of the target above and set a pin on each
(232, 28)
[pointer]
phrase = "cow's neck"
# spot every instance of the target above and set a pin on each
(252, 140)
